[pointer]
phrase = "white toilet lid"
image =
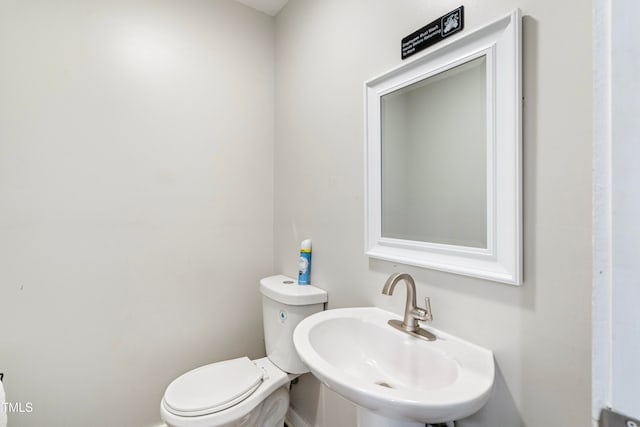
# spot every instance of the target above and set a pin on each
(213, 388)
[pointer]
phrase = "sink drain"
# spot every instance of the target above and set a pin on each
(384, 384)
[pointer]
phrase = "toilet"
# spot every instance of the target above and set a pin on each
(244, 392)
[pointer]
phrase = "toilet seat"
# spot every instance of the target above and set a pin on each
(241, 413)
(213, 388)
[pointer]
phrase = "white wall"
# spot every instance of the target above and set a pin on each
(616, 337)
(136, 199)
(540, 332)
(626, 207)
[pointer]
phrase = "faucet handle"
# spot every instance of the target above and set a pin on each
(423, 314)
(420, 313)
(427, 305)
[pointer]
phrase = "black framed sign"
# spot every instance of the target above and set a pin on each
(433, 32)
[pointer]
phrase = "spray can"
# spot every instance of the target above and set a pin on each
(304, 263)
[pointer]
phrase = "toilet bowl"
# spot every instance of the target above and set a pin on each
(241, 392)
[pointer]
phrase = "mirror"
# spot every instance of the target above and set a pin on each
(423, 141)
(443, 157)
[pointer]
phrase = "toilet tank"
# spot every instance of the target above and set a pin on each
(284, 305)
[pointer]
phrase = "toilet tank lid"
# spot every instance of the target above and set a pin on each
(286, 290)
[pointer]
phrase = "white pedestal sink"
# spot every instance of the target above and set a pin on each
(395, 379)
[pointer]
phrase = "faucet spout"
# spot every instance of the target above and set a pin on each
(410, 304)
(412, 313)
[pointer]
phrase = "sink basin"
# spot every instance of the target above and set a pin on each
(394, 378)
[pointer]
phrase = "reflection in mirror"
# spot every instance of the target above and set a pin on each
(434, 158)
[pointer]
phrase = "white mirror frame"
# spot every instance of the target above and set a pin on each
(501, 261)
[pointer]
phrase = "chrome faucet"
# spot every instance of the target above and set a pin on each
(412, 313)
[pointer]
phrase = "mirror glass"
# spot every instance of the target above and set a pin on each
(434, 158)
